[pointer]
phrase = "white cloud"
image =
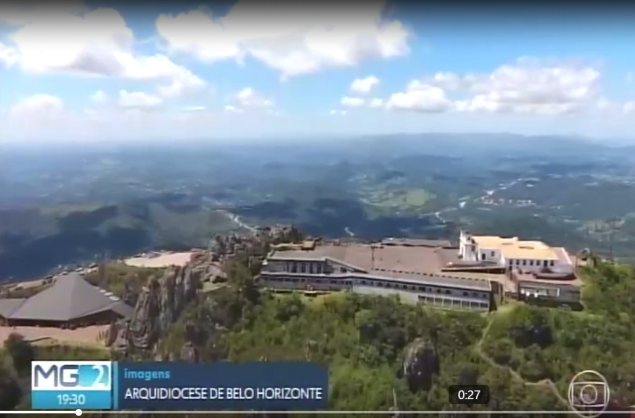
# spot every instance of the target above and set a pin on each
(353, 102)
(38, 110)
(445, 80)
(605, 105)
(337, 112)
(194, 109)
(233, 109)
(536, 87)
(528, 86)
(249, 98)
(629, 108)
(38, 103)
(376, 103)
(8, 54)
(184, 84)
(364, 85)
(99, 97)
(300, 38)
(629, 78)
(138, 100)
(91, 43)
(423, 98)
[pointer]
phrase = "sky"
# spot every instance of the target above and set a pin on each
(170, 71)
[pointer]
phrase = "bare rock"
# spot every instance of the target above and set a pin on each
(163, 300)
(190, 353)
(160, 304)
(421, 364)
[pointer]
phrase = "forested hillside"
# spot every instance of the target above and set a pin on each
(34, 241)
(374, 345)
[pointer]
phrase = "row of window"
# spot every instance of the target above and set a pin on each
(311, 268)
(453, 303)
(535, 291)
(378, 283)
(537, 263)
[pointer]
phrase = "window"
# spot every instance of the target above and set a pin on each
(342, 270)
(438, 290)
(552, 263)
(303, 268)
(482, 256)
(546, 263)
(524, 262)
(492, 254)
(466, 294)
(294, 268)
(531, 262)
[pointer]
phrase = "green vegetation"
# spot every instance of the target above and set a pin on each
(551, 345)
(402, 200)
(525, 354)
(32, 241)
(87, 202)
(123, 280)
(16, 355)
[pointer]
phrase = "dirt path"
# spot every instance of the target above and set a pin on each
(545, 382)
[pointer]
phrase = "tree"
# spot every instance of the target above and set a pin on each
(21, 353)
(10, 392)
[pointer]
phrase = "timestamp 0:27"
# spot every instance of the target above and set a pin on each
(469, 395)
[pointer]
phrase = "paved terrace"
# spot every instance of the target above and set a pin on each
(161, 260)
(90, 336)
(410, 263)
(571, 280)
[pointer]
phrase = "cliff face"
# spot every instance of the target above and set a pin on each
(160, 304)
(164, 299)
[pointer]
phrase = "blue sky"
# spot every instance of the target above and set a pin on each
(173, 71)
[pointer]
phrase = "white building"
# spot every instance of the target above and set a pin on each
(512, 253)
(398, 268)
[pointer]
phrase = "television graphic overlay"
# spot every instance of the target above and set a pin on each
(71, 385)
(589, 394)
(469, 395)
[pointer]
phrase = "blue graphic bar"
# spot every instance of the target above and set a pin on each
(261, 386)
(115, 385)
(71, 399)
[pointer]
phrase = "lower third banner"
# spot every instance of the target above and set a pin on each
(260, 386)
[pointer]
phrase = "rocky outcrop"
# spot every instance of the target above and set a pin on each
(163, 300)
(420, 365)
(225, 246)
(160, 304)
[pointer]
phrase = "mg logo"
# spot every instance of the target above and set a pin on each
(70, 375)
